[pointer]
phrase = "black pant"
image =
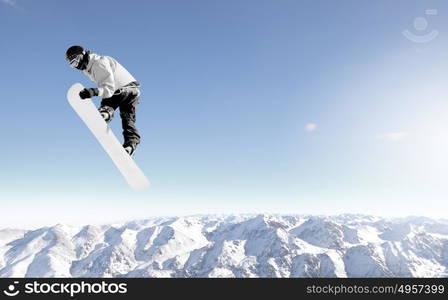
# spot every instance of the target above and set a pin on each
(125, 98)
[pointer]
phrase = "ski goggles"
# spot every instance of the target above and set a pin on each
(74, 60)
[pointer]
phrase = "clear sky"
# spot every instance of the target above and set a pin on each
(248, 106)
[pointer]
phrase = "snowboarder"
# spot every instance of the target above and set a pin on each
(116, 86)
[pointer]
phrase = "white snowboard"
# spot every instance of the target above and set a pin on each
(88, 112)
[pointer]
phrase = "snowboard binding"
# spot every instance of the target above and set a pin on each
(107, 113)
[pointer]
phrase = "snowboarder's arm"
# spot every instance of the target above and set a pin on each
(105, 79)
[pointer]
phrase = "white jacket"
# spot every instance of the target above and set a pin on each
(108, 74)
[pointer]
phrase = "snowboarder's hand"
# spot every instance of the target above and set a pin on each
(88, 93)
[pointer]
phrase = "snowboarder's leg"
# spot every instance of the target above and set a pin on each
(128, 118)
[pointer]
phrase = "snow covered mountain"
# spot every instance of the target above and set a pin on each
(232, 246)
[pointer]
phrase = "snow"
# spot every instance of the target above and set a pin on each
(369, 234)
(8, 235)
(231, 246)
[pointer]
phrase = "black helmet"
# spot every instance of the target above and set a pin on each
(75, 56)
(74, 50)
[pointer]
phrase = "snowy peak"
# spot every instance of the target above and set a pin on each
(231, 246)
(320, 232)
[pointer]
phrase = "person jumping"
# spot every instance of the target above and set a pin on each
(116, 86)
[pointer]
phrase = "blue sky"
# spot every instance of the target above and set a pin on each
(307, 107)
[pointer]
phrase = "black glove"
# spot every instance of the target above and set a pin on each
(88, 93)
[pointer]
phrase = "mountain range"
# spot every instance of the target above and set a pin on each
(232, 246)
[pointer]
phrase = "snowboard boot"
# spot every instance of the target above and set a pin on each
(107, 113)
(130, 149)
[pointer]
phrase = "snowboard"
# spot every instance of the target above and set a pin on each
(88, 112)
